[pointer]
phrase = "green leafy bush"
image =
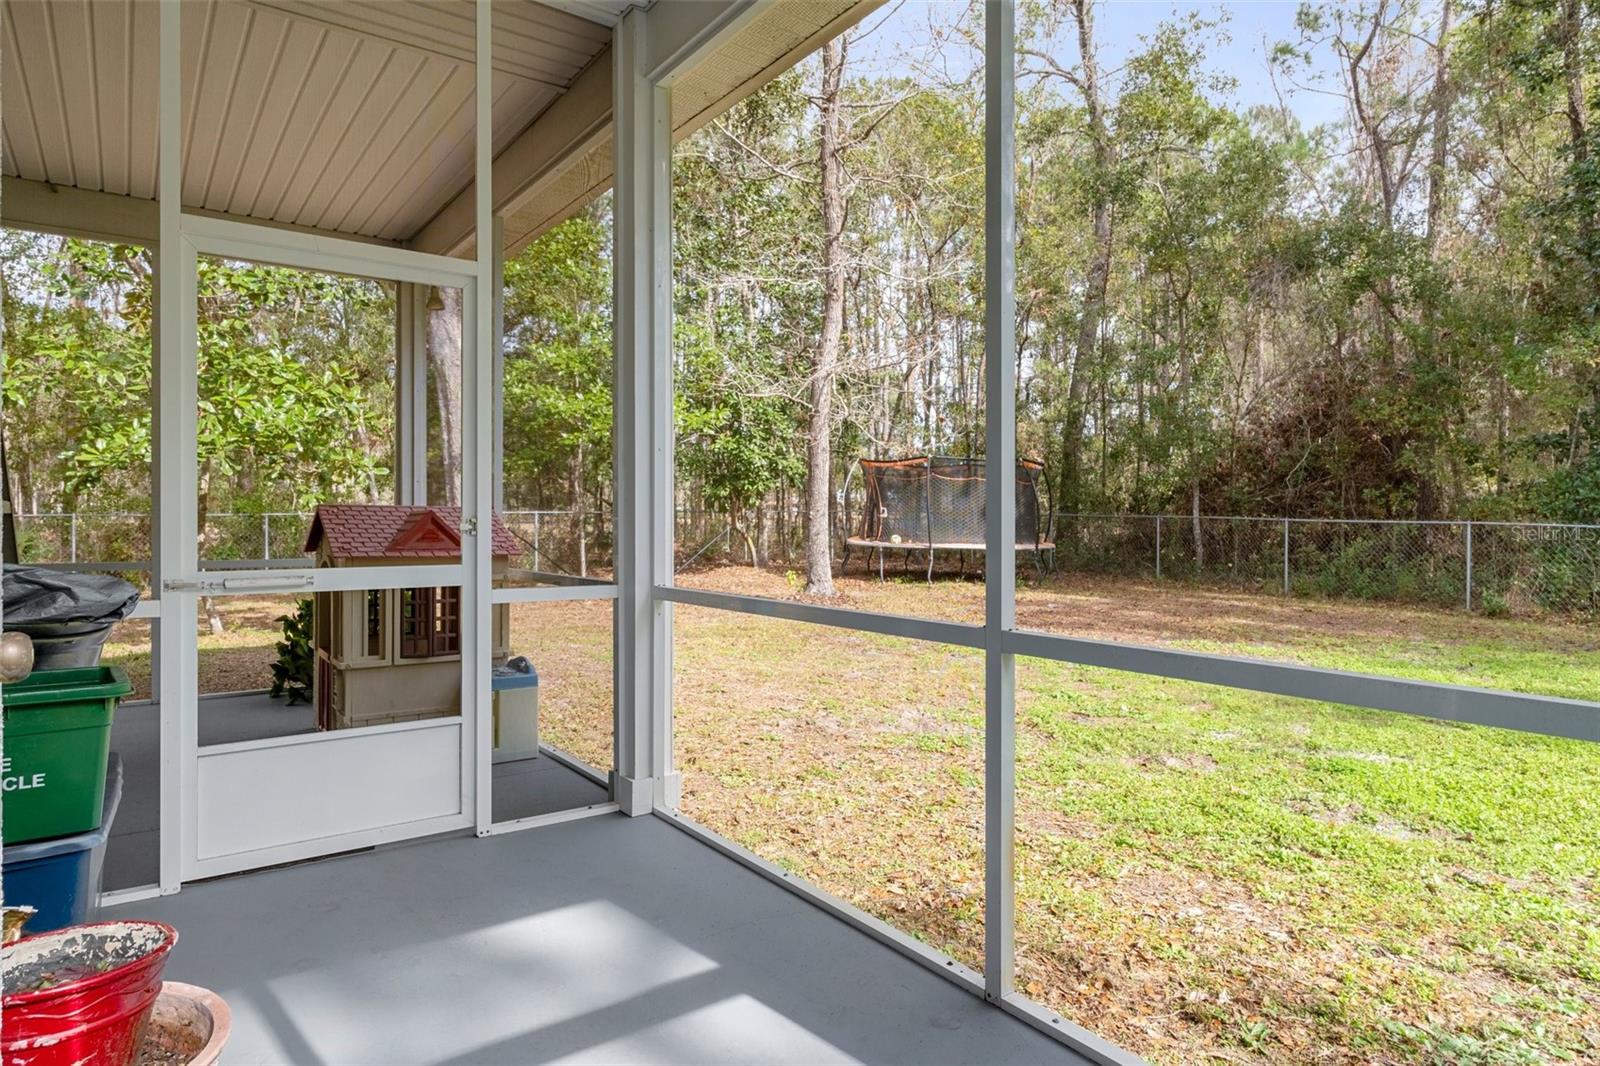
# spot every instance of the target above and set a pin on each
(297, 658)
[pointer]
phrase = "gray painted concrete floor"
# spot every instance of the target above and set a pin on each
(525, 787)
(608, 940)
(133, 853)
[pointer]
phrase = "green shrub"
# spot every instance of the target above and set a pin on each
(297, 658)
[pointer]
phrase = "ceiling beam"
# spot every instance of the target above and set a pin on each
(72, 212)
(594, 10)
(564, 131)
(680, 33)
(687, 125)
(576, 122)
(103, 216)
(683, 34)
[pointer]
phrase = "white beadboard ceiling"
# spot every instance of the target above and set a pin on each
(346, 115)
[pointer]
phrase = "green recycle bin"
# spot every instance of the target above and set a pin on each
(57, 739)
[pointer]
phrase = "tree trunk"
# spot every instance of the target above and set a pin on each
(819, 449)
(576, 494)
(1577, 115)
(760, 548)
(208, 606)
(1098, 277)
(1572, 68)
(1199, 531)
(1440, 155)
(1502, 434)
(1572, 72)
(1186, 407)
(444, 359)
(1428, 493)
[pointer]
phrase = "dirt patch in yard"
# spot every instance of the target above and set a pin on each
(1153, 612)
(1192, 762)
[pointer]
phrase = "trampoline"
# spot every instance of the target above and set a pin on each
(935, 503)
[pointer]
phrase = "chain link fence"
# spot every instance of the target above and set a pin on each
(1495, 567)
(567, 542)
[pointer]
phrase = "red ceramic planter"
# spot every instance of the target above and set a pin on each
(99, 1017)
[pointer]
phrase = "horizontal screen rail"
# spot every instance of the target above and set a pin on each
(547, 577)
(959, 634)
(1553, 716)
(552, 593)
(321, 579)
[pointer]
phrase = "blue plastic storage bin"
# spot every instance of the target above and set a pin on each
(516, 710)
(61, 878)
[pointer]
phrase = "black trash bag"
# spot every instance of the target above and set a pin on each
(68, 615)
(35, 594)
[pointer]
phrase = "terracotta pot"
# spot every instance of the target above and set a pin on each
(189, 1023)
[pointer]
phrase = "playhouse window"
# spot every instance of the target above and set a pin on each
(447, 622)
(374, 623)
(430, 622)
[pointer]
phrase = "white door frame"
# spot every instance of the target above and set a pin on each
(175, 562)
(184, 581)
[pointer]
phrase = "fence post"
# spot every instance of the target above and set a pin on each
(536, 556)
(72, 538)
(1286, 557)
(1158, 547)
(266, 535)
(1469, 566)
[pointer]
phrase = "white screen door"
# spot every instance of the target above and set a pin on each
(295, 535)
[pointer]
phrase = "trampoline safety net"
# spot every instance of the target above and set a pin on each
(937, 502)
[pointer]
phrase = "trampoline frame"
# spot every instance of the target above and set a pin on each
(1043, 550)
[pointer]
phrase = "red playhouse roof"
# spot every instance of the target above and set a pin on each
(393, 531)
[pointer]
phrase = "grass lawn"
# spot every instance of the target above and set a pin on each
(1203, 874)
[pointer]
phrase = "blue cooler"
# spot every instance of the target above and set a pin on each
(61, 878)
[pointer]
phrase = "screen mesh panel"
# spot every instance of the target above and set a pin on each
(956, 495)
(896, 507)
(938, 502)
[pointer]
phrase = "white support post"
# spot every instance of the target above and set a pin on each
(478, 449)
(411, 393)
(175, 551)
(642, 232)
(1000, 487)
(497, 285)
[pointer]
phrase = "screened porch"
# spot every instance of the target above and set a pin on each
(420, 421)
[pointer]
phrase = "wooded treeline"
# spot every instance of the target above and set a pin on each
(1392, 313)
(295, 384)
(1389, 314)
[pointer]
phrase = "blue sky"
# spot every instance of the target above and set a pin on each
(1250, 28)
